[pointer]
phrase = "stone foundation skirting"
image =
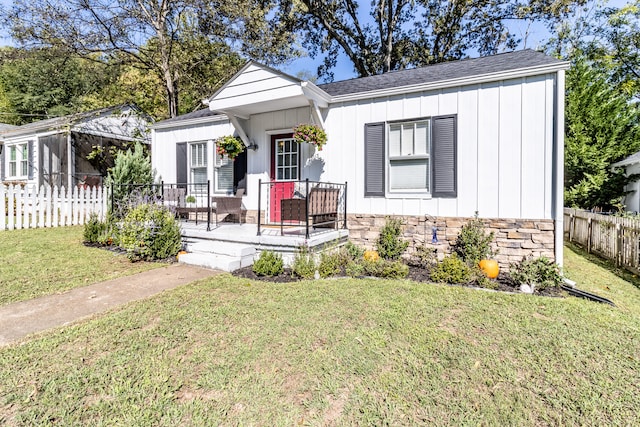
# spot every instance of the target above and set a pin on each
(513, 238)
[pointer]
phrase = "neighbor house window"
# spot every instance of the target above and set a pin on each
(409, 156)
(198, 165)
(223, 174)
(18, 160)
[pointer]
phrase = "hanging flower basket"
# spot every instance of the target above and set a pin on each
(310, 134)
(229, 146)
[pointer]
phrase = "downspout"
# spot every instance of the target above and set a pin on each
(559, 168)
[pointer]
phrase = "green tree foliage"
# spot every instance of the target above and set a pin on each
(169, 39)
(131, 167)
(601, 128)
(609, 38)
(41, 83)
(403, 33)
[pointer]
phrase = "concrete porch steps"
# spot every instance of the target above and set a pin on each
(215, 261)
(216, 254)
(233, 246)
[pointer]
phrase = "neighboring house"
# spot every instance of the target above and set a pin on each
(631, 165)
(54, 151)
(432, 145)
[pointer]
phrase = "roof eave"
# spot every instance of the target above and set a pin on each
(464, 81)
(188, 122)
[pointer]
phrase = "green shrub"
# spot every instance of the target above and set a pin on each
(389, 244)
(353, 251)
(268, 264)
(541, 272)
(95, 231)
(150, 232)
(331, 263)
(392, 269)
(355, 269)
(473, 244)
(304, 264)
(130, 167)
(380, 268)
(424, 257)
(482, 280)
(451, 270)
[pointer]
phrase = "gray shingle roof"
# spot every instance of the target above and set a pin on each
(6, 127)
(59, 122)
(205, 112)
(441, 72)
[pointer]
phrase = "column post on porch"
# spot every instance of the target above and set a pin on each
(259, 203)
(306, 208)
(345, 206)
(208, 206)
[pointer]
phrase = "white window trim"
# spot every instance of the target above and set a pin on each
(22, 156)
(298, 166)
(406, 193)
(190, 164)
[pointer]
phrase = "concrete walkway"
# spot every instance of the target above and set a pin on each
(20, 319)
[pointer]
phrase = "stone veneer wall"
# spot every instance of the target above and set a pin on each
(513, 238)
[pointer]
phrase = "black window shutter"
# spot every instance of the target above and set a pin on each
(3, 156)
(30, 158)
(181, 163)
(374, 159)
(444, 157)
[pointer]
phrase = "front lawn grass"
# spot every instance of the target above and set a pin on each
(43, 261)
(333, 352)
(601, 277)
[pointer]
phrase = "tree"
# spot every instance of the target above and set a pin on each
(152, 36)
(131, 175)
(601, 128)
(402, 33)
(41, 83)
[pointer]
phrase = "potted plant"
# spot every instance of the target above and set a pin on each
(229, 146)
(310, 134)
(190, 199)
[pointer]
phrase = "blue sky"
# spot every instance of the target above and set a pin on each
(344, 69)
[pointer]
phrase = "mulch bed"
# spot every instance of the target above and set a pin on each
(417, 274)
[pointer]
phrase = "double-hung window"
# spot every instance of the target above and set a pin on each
(223, 174)
(411, 158)
(18, 161)
(198, 165)
(409, 151)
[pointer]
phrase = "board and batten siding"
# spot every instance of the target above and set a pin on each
(505, 148)
(163, 145)
(255, 85)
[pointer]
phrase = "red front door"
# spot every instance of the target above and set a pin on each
(285, 171)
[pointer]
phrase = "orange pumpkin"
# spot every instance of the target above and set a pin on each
(490, 267)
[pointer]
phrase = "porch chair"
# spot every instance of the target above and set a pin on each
(174, 199)
(323, 208)
(228, 205)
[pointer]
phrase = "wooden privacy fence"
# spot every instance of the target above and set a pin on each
(30, 207)
(611, 237)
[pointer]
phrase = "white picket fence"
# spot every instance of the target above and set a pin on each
(30, 207)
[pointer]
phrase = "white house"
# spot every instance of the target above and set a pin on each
(433, 145)
(54, 151)
(631, 166)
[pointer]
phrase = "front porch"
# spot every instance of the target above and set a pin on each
(230, 246)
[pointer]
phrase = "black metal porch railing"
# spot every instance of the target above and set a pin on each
(302, 204)
(186, 200)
